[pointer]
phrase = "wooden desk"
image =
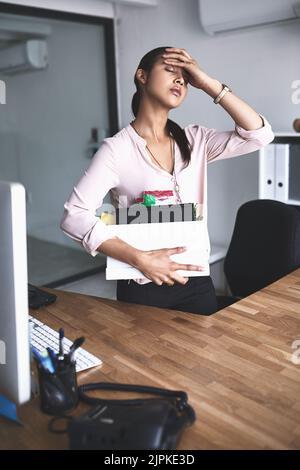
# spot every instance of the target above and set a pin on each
(235, 365)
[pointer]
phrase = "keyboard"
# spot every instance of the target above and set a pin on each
(42, 336)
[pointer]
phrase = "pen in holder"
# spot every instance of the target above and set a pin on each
(57, 377)
(58, 390)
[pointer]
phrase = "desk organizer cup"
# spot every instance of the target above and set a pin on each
(58, 391)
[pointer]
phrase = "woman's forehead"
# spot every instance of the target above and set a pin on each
(161, 62)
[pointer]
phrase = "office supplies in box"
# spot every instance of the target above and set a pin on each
(140, 214)
(157, 197)
(148, 199)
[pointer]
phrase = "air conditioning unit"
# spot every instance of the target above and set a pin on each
(217, 16)
(13, 29)
(24, 57)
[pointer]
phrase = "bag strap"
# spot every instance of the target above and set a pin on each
(180, 397)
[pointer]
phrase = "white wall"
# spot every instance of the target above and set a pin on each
(259, 65)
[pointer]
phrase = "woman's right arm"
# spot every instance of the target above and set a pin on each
(156, 265)
(79, 219)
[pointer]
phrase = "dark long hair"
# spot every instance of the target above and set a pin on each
(146, 63)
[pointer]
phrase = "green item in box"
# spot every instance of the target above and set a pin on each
(149, 200)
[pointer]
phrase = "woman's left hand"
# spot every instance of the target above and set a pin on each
(181, 58)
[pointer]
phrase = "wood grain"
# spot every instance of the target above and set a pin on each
(235, 365)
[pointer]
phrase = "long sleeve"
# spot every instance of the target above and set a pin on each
(226, 144)
(79, 221)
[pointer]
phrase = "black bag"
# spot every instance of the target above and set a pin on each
(145, 423)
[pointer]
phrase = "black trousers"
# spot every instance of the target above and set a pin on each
(196, 296)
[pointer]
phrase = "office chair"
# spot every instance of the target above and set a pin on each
(265, 246)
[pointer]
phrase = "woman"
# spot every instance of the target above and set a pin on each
(151, 153)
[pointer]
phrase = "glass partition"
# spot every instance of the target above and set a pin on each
(60, 104)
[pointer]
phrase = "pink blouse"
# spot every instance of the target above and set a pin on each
(123, 166)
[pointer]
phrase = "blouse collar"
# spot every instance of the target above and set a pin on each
(136, 137)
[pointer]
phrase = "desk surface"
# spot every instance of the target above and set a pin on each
(236, 365)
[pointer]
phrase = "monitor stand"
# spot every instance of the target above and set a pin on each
(8, 410)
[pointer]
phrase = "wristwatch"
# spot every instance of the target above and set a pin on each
(223, 92)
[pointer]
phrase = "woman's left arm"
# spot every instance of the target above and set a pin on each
(252, 130)
(243, 115)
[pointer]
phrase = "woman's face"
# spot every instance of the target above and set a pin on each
(162, 80)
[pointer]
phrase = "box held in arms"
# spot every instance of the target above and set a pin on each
(160, 226)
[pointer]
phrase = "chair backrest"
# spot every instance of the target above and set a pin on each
(265, 245)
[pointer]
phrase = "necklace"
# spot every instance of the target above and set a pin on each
(172, 155)
(176, 186)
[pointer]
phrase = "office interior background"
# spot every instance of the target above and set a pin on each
(55, 118)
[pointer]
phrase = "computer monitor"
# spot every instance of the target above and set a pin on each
(14, 313)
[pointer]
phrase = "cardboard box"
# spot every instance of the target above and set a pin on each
(192, 234)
